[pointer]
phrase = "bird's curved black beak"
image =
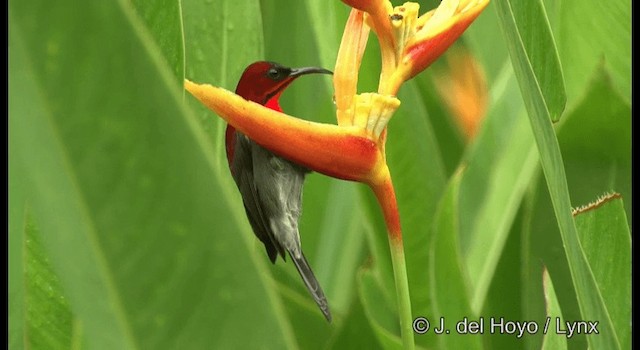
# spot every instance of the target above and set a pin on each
(293, 74)
(296, 72)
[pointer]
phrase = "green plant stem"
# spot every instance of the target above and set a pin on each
(383, 189)
(402, 291)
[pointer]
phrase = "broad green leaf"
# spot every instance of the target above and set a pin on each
(221, 38)
(42, 167)
(340, 246)
(531, 266)
(591, 32)
(294, 42)
(595, 139)
(448, 287)
(49, 321)
(450, 141)
(546, 250)
(380, 308)
(552, 340)
(163, 20)
(17, 226)
(491, 140)
(498, 168)
(327, 19)
(509, 178)
(125, 191)
(504, 297)
(606, 240)
(589, 299)
(540, 53)
(311, 329)
(356, 332)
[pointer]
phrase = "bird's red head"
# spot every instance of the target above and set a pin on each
(263, 82)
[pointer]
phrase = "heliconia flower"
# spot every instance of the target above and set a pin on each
(415, 42)
(436, 31)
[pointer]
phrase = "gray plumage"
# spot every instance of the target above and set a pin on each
(271, 189)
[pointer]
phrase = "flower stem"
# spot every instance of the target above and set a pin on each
(383, 189)
(402, 291)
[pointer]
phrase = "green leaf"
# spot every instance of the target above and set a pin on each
(380, 308)
(590, 301)
(539, 51)
(17, 226)
(163, 20)
(356, 332)
(510, 176)
(552, 340)
(309, 97)
(590, 32)
(132, 211)
(595, 139)
(606, 240)
(531, 266)
(450, 141)
(49, 321)
(340, 244)
(221, 38)
(499, 165)
(448, 287)
(505, 298)
(42, 165)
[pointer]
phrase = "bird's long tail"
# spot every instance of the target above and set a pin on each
(312, 284)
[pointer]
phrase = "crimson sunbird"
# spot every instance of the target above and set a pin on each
(271, 186)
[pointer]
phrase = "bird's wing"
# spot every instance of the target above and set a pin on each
(279, 185)
(242, 169)
(272, 191)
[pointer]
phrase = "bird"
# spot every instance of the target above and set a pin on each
(271, 186)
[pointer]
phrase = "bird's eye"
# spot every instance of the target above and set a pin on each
(273, 74)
